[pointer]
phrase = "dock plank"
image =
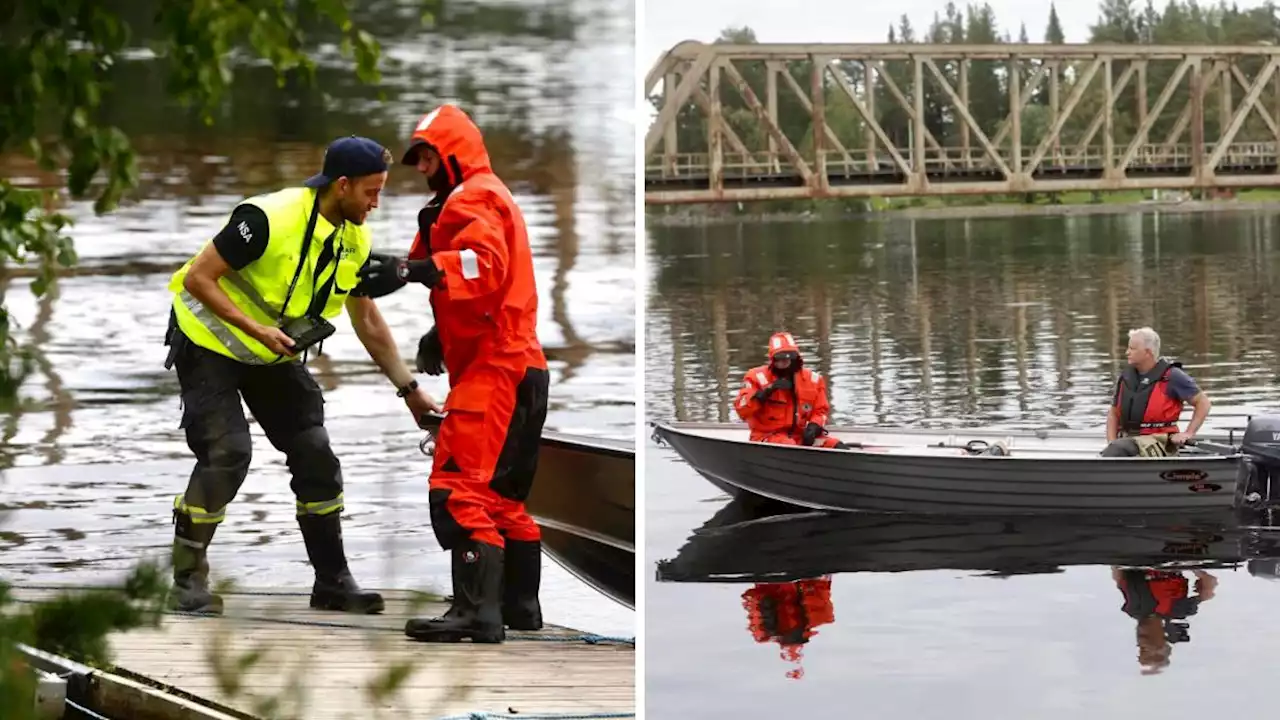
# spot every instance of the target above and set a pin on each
(328, 659)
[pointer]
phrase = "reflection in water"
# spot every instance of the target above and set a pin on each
(792, 558)
(1160, 602)
(1020, 320)
(62, 400)
(787, 613)
(551, 85)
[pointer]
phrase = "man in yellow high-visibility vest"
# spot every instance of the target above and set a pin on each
(246, 309)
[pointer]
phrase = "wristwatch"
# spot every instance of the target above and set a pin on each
(404, 391)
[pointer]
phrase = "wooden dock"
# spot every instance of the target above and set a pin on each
(326, 665)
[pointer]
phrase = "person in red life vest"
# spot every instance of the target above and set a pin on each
(784, 402)
(787, 614)
(1160, 602)
(1148, 401)
(472, 252)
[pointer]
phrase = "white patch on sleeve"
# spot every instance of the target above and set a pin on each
(470, 264)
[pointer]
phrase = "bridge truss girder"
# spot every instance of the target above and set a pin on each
(697, 78)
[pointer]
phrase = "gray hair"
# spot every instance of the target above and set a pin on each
(1148, 338)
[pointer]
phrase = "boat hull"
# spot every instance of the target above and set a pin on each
(1042, 475)
(583, 499)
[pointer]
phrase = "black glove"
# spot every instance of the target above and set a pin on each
(782, 383)
(379, 276)
(421, 271)
(811, 432)
(430, 358)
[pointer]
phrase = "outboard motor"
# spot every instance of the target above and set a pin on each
(1260, 471)
(1265, 568)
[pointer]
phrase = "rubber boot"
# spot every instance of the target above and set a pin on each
(190, 591)
(476, 611)
(334, 588)
(521, 577)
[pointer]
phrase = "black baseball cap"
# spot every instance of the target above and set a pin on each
(351, 156)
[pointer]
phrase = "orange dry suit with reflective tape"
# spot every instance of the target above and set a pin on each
(787, 613)
(485, 311)
(782, 416)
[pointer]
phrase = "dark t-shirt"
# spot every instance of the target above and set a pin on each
(244, 238)
(1181, 386)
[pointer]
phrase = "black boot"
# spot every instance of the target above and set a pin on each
(334, 588)
(476, 611)
(521, 577)
(191, 567)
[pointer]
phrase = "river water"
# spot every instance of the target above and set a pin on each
(1015, 321)
(93, 456)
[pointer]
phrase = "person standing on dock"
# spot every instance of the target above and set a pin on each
(472, 252)
(784, 402)
(244, 313)
(1148, 400)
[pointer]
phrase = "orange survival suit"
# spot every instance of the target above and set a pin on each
(485, 336)
(784, 402)
(787, 613)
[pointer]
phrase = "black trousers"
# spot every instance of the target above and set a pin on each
(518, 461)
(288, 404)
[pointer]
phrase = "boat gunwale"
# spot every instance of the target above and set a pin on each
(1046, 433)
(584, 533)
(620, 449)
(689, 430)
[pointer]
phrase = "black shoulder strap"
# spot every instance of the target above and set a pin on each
(306, 245)
(320, 298)
(1129, 376)
(1161, 369)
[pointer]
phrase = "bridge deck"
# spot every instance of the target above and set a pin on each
(700, 179)
(328, 660)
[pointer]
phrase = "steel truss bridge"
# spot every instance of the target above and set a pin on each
(1082, 140)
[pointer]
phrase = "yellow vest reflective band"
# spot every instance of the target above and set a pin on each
(259, 288)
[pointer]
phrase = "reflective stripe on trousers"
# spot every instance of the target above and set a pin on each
(323, 507)
(198, 515)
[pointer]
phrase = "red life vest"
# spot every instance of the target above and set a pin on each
(1156, 592)
(1144, 402)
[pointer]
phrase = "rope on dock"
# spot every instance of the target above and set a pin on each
(85, 711)
(588, 638)
(485, 715)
